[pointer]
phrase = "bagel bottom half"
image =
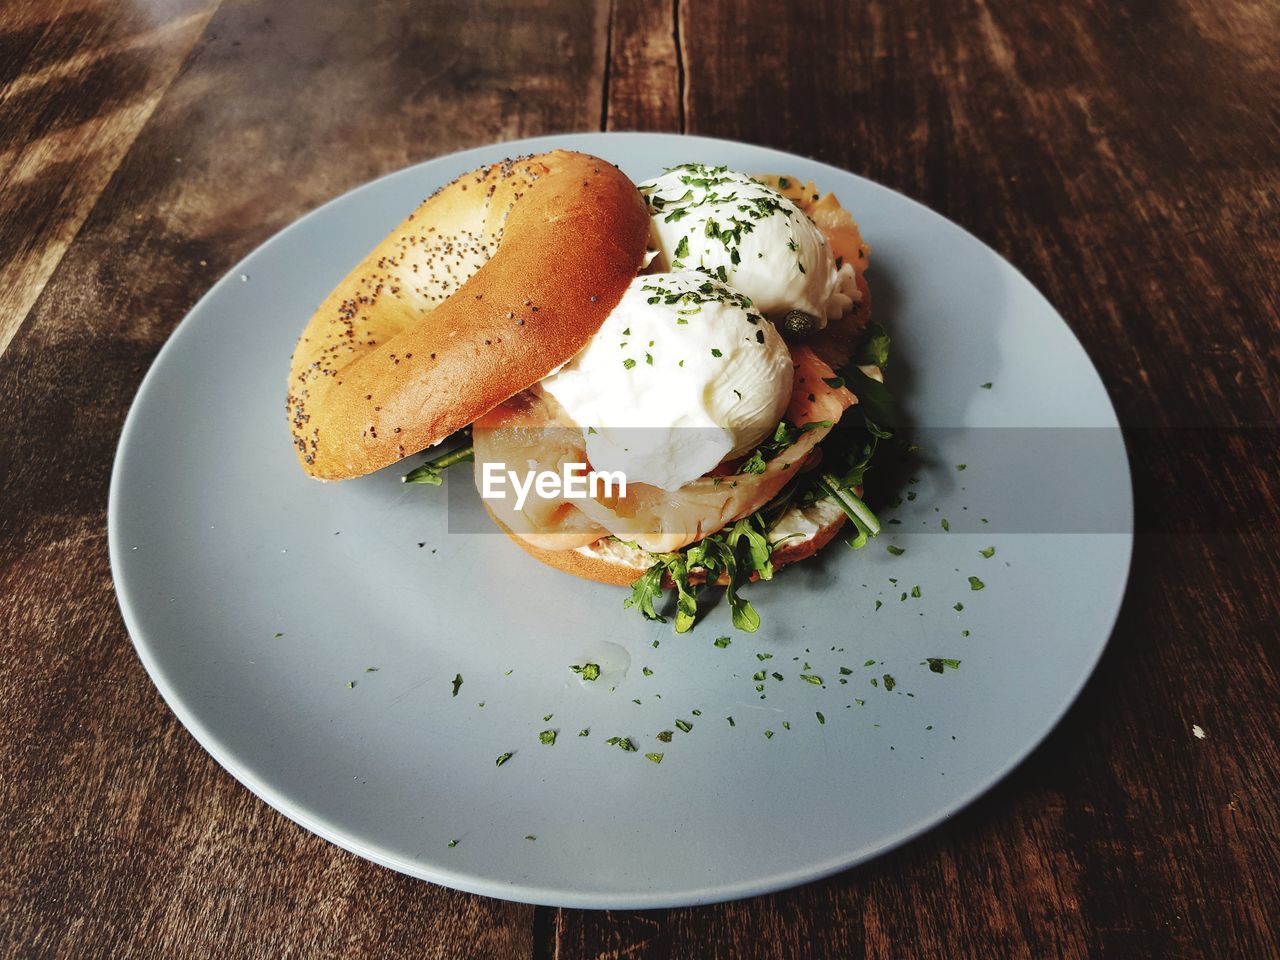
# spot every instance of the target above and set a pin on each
(614, 562)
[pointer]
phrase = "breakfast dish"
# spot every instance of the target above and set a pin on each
(703, 336)
(361, 654)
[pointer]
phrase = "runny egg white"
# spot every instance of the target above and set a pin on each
(683, 374)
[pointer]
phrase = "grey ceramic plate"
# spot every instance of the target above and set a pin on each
(256, 597)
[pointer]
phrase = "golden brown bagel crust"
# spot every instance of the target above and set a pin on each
(593, 566)
(492, 283)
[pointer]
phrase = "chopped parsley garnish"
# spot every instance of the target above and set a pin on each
(915, 592)
(821, 718)
(975, 583)
(655, 757)
(811, 678)
(716, 353)
(588, 671)
(646, 671)
(889, 682)
(870, 663)
(986, 386)
(988, 552)
(768, 734)
(584, 732)
(946, 525)
(453, 843)
(722, 642)
(457, 683)
(665, 736)
(939, 664)
(628, 363)
(896, 551)
(684, 726)
(764, 656)
(548, 737)
(958, 606)
(503, 759)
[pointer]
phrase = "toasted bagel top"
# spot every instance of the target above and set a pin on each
(489, 285)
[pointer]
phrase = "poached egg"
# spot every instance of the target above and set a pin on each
(683, 374)
(749, 236)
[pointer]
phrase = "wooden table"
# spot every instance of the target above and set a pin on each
(1124, 156)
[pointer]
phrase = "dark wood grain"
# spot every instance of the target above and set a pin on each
(1125, 157)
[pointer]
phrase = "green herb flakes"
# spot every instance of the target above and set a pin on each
(895, 550)
(889, 682)
(588, 671)
(654, 757)
(503, 759)
(975, 583)
(722, 642)
(684, 726)
(987, 552)
(940, 664)
(548, 737)
(821, 718)
(457, 683)
(453, 843)
(811, 678)
(768, 734)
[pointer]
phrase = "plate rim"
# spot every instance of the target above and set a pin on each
(476, 883)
